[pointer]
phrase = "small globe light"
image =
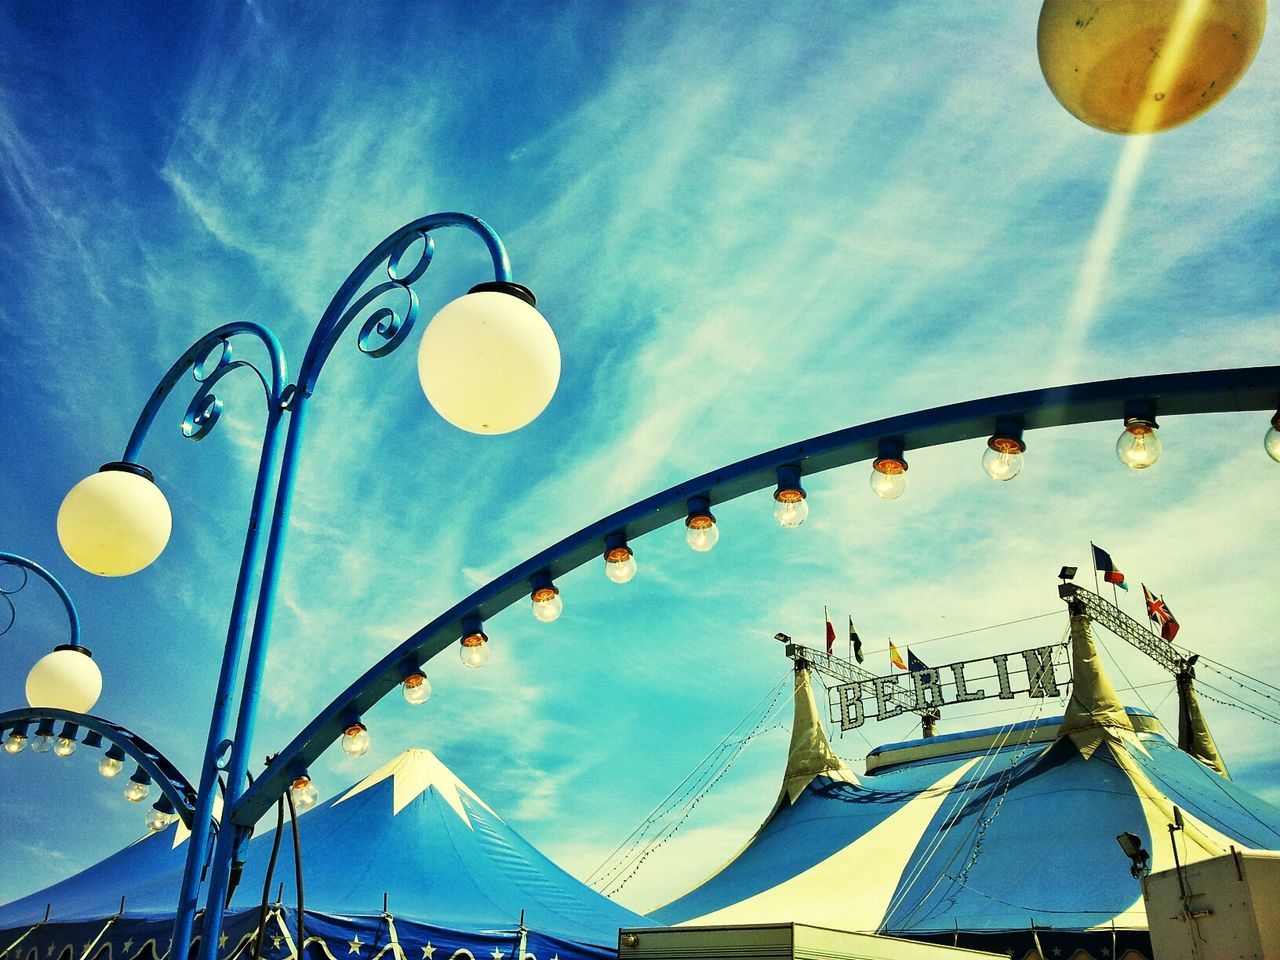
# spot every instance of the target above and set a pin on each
(110, 767)
(416, 689)
(889, 477)
(15, 742)
(1271, 442)
(42, 743)
(1142, 66)
(64, 747)
(1139, 445)
(66, 679)
(547, 605)
(114, 522)
(158, 819)
(304, 792)
(356, 740)
(489, 361)
(701, 532)
(474, 649)
(1002, 460)
(138, 788)
(620, 564)
(790, 508)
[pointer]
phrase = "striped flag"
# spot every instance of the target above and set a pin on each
(1103, 563)
(831, 632)
(855, 642)
(895, 657)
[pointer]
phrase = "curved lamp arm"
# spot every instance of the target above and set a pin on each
(170, 779)
(1211, 391)
(385, 329)
(205, 407)
(17, 561)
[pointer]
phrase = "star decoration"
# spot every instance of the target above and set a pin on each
(276, 940)
(497, 954)
(1106, 951)
(49, 952)
(222, 940)
(353, 946)
(1057, 951)
(427, 951)
(127, 945)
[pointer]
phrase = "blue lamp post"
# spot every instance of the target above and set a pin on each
(489, 363)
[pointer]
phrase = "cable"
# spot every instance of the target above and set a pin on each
(993, 626)
(297, 873)
(266, 884)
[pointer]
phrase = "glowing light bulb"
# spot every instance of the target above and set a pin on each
(136, 792)
(620, 564)
(115, 522)
(889, 478)
(416, 689)
(474, 650)
(110, 767)
(1271, 442)
(790, 507)
(356, 740)
(15, 742)
(547, 605)
(42, 743)
(1002, 460)
(1139, 445)
(157, 819)
(701, 532)
(64, 747)
(304, 792)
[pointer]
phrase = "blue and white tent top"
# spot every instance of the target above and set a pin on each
(454, 876)
(1009, 829)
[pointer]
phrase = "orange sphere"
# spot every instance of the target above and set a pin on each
(1141, 66)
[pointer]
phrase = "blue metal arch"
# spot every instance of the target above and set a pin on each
(163, 772)
(1208, 391)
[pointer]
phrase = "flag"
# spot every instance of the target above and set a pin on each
(855, 641)
(1110, 572)
(914, 663)
(831, 632)
(895, 657)
(1159, 613)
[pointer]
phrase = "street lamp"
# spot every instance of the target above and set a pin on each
(488, 363)
(67, 678)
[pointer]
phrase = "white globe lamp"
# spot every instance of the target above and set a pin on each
(66, 679)
(115, 522)
(489, 361)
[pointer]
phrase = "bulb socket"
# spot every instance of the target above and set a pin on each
(354, 729)
(700, 516)
(1003, 444)
(543, 594)
(517, 290)
(126, 466)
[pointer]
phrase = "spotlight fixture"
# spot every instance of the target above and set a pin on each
(701, 532)
(619, 560)
(889, 470)
(1271, 442)
(1140, 859)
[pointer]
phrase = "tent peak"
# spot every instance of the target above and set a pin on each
(415, 772)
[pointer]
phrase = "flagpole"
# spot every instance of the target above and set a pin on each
(1093, 557)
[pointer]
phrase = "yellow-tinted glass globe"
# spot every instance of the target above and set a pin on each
(114, 523)
(489, 362)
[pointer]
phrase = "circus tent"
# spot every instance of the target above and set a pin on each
(1001, 839)
(409, 861)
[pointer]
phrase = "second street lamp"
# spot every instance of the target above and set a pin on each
(489, 363)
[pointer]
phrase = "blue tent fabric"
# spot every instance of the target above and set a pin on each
(454, 876)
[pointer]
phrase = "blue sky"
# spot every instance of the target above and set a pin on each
(746, 229)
